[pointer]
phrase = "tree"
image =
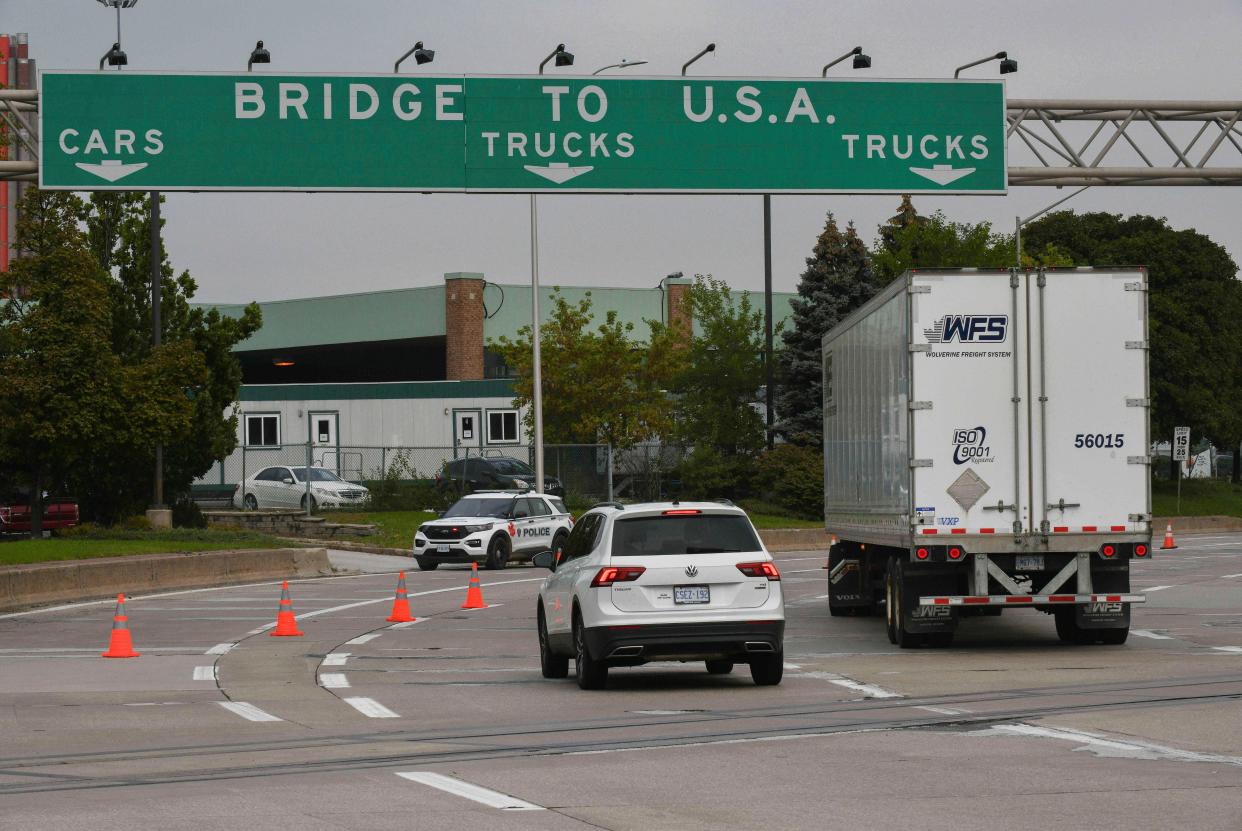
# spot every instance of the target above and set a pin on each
(598, 384)
(118, 231)
(837, 280)
(65, 396)
(934, 241)
(1194, 304)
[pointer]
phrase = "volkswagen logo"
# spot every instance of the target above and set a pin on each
(692, 571)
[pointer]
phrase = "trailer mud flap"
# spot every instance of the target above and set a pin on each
(927, 619)
(845, 582)
(1103, 615)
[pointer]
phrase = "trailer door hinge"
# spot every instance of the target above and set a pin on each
(917, 289)
(1137, 344)
(1140, 286)
(920, 463)
(920, 347)
(1001, 506)
(1138, 402)
(1014, 280)
(1138, 460)
(1061, 505)
(920, 405)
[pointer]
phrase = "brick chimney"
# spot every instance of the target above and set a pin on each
(676, 292)
(463, 326)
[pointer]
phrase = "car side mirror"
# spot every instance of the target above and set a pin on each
(545, 559)
(288, 481)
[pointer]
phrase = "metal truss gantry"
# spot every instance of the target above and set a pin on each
(1052, 143)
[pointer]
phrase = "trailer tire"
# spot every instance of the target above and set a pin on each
(1112, 637)
(889, 605)
(1068, 629)
(903, 639)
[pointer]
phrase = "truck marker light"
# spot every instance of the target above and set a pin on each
(1088, 529)
(957, 531)
(929, 530)
(1118, 528)
(987, 530)
(955, 553)
(1061, 529)
(922, 553)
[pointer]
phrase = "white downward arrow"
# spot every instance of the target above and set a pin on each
(558, 172)
(942, 174)
(111, 169)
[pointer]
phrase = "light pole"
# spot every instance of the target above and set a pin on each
(625, 64)
(711, 47)
(1007, 65)
(258, 55)
(563, 58)
(421, 56)
(861, 61)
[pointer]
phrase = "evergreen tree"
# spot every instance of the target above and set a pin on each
(838, 279)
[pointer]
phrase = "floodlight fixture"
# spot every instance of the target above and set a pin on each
(114, 57)
(421, 56)
(1007, 65)
(711, 47)
(258, 55)
(562, 57)
(861, 61)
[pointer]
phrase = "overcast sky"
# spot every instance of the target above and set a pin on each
(273, 246)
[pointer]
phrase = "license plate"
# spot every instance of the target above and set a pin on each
(692, 594)
(1030, 562)
(442, 549)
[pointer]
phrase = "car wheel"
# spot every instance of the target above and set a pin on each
(550, 664)
(767, 670)
(558, 542)
(251, 503)
(497, 553)
(890, 607)
(591, 674)
(719, 667)
(314, 505)
(425, 564)
(904, 639)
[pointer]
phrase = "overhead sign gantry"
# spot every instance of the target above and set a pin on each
(487, 134)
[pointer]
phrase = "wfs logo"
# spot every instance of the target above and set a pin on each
(968, 329)
(969, 446)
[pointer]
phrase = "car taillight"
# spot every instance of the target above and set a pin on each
(764, 569)
(608, 575)
(922, 553)
(1140, 550)
(955, 553)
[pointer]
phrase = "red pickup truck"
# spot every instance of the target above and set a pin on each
(58, 512)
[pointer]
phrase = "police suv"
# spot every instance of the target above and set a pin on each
(661, 582)
(492, 528)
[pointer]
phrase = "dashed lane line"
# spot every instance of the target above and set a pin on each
(1104, 746)
(335, 659)
(1143, 633)
(467, 790)
(370, 708)
(361, 639)
(220, 649)
(944, 711)
(333, 680)
(404, 625)
(1237, 650)
(869, 690)
(248, 711)
(1231, 576)
(1157, 588)
(207, 673)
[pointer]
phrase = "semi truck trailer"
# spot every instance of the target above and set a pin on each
(986, 448)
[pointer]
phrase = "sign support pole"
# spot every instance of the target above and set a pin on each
(537, 374)
(157, 259)
(767, 316)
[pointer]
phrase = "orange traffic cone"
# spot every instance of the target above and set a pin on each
(830, 545)
(474, 595)
(400, 605)
(1168, 538)
(286, 624)
(121, 645)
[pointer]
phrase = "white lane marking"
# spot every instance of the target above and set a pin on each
(406, 625)
(220, 649)
(361, 639)
(868, 690)
(944, 711)
(1231, 576)
(333, 680)
(711, 742)
(792, 666)
(1157, 588)
(488, 606)
(335, 659)
(1103, 746)
(370, 707)
(205, 673)
(466, 790)
(1233, 649)
(248, 711)
(1143, 633)
(802, 570)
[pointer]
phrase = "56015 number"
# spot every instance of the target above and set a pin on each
(1100, 440)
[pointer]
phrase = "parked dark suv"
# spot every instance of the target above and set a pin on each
(491, 473)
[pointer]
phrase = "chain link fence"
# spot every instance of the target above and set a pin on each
(416, 478)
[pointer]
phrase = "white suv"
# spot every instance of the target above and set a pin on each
(661, 582)
(492, 528)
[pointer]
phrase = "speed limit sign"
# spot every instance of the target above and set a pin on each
(1181, 444)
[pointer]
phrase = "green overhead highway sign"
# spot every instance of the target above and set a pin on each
(233, 132)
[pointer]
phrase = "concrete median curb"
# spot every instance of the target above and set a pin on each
(795, 539)
(63, 581)
(1196, 524)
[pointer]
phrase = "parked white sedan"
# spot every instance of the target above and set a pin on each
(285, 487)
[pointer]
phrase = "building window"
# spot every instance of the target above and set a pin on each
(263, 430)
(502, 427)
